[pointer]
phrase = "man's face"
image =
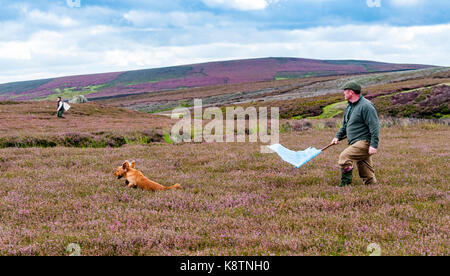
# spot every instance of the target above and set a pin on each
(348, 94)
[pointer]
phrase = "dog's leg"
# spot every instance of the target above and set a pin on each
(131, 185)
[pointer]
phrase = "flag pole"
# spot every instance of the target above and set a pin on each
(330, 145)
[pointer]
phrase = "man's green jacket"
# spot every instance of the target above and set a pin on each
(360, 123)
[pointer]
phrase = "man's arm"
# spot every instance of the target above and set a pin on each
(371, 120)
(342, 131)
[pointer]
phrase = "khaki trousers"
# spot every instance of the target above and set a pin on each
(359, 153)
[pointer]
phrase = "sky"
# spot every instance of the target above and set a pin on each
(53, 38)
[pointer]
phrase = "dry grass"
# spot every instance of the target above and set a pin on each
(236, 201)
(35, 118)
(215, 95)
(26, 124)
(314, 105)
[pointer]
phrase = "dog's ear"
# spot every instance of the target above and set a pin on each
(132, 164)
(126, 165)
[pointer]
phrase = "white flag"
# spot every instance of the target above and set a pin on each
(66, 106)
(296, 158)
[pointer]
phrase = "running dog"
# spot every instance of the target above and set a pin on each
(135, 179)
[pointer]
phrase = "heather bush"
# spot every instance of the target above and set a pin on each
(26, 142)
(77, 140)
(330, 124)
(422, 103)
(84, 140)
(58, 188)
(235, 201)
(114, 140)
(9, 102)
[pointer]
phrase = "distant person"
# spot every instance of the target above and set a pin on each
(62, 106)
(362, 128)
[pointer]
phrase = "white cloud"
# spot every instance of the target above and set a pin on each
(39, 17)
(51, 53)
(15, 50)
(176, 18)
(244, 5)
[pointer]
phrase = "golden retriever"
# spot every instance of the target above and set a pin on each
(135, 179)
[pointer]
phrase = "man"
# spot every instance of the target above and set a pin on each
(362, 128)
(60, 108)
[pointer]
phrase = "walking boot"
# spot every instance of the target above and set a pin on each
(346, 176)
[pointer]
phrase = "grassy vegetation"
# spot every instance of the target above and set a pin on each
(296, 75)
(167, 107)
(301, 108)
(34, 124)
(383, 95)
(68, 93)
(331, 111)
(58, 188)
(22, 86)
(83, 140)
(235, 200)
(428, 103)
(152, 75)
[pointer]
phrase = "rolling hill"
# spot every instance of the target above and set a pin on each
(188, 76)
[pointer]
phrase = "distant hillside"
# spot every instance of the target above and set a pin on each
(188, 76)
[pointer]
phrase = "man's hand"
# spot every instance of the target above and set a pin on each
(372, 151)
(335, 141)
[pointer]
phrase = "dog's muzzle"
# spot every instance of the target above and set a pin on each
(119, 177)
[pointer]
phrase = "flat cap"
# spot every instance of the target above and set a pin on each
(352, 86)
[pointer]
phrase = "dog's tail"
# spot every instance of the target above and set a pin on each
(176, 186)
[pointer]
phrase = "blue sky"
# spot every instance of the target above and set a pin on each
(40, 39)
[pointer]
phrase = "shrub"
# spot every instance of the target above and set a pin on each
(300, 125)
(9, 103)
(77, 140)
(429, 103)
(114, 140)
